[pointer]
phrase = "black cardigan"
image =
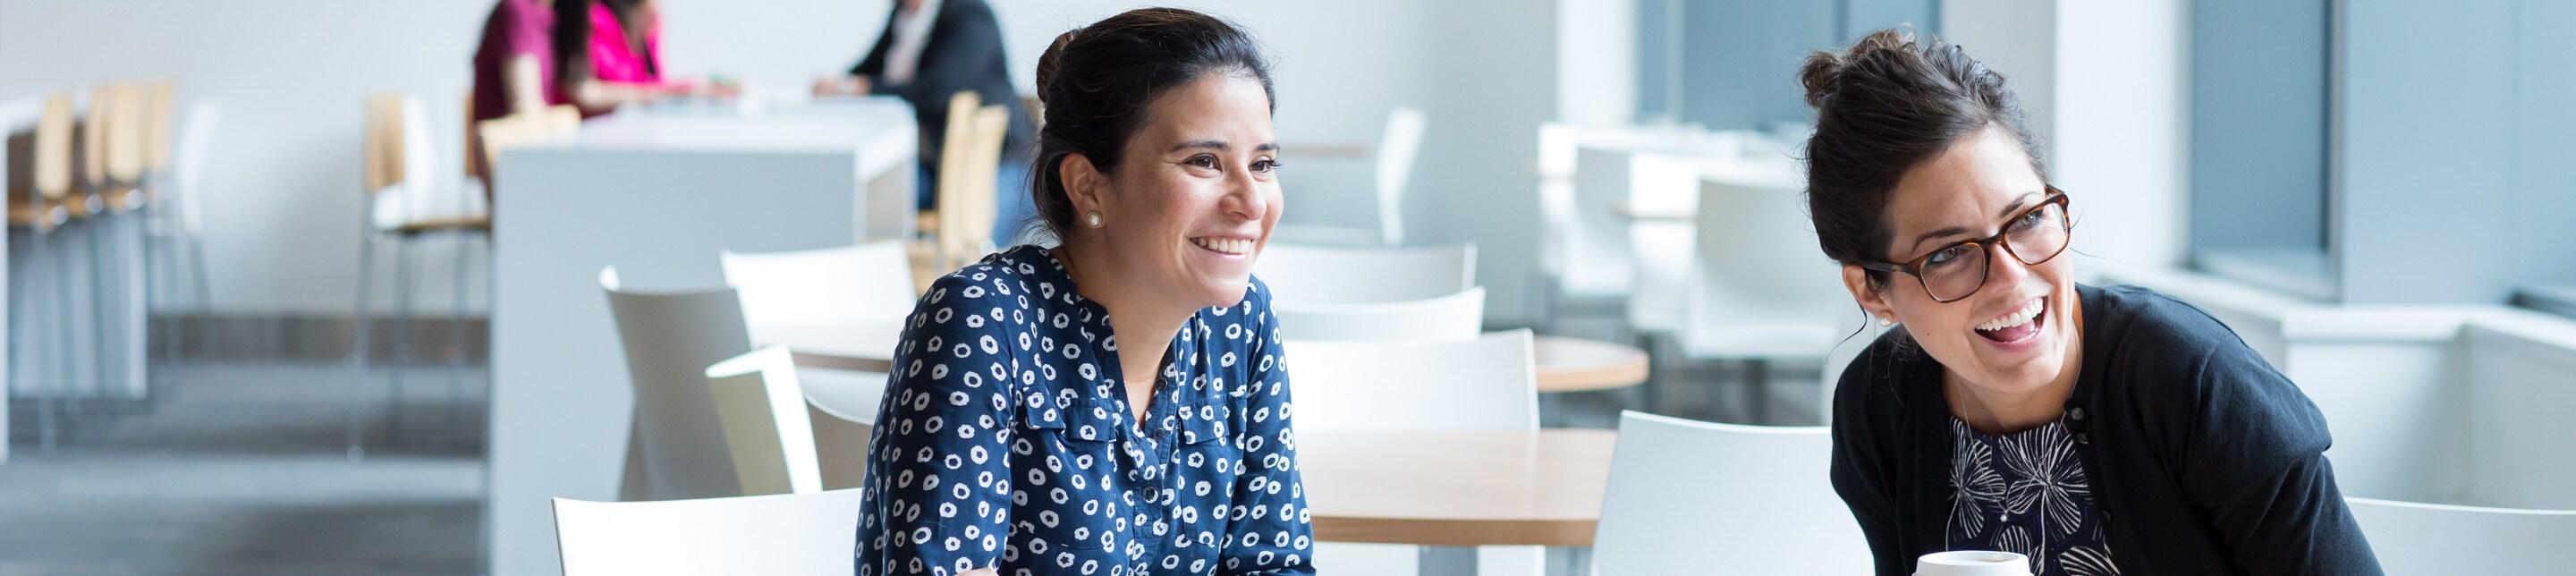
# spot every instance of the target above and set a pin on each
(2204, 460)
(963, 52)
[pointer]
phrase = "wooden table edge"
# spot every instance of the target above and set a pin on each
(1568, 532)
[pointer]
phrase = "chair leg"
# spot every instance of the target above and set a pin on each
(205, 292)
(402, 338)
(358, 342)
(456, 339)
(55, 353)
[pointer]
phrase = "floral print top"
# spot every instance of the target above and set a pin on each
(2026, 493)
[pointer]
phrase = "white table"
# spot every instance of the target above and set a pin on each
(658, 196)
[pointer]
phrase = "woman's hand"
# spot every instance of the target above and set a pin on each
(841, 86)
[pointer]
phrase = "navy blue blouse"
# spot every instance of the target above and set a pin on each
(2026, 493)
(1005, 440)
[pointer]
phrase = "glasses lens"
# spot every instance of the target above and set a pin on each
(2039, 235)
(1955, 272)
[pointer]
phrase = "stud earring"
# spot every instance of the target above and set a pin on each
(1091, 219)
(1886, 321)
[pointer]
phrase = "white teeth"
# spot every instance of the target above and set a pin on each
(1225, 245)
(2014, 319)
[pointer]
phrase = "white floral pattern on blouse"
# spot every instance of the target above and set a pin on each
(2026, 493)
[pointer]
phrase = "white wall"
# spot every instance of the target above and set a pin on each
(2121, 126)
(283, 198)
(2105, 86)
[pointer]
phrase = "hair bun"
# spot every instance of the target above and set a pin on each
(1821, 75)
(1052, 59)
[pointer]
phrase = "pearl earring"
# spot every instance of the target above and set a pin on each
(1091, 219)
(1886, 321)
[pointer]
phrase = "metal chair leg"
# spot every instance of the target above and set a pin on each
(456, 339)
(358, 342)
(65, 362)
(402, 338)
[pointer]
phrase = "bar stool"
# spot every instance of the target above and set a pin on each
(40, 212)
(404, 205)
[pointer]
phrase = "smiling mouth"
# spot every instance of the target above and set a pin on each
(1226, 246)
(2017, 326)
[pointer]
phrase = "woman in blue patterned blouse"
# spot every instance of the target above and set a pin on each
(1020, 433)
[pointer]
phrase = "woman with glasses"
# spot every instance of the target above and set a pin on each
(2094, 430)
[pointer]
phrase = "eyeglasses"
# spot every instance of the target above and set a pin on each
(1954, 272)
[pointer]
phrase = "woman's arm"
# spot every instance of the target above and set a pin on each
(943, 439)
(2256, 465)
(523, 78)
(1275, 537)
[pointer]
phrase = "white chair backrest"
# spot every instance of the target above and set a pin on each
(2416, 538)
(1557, 219)
(1596, 250)
(419, 150)
(1350, 275)
(1454, 317)
(842, 405)
(1395, 154)
(863, 283)
(761, 407)
(1755, 272)
(670, 339)
(1486, 383)
(188, 162)
(784, 534)
(1685, 495)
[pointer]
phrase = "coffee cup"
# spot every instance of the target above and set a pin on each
(1972, 563)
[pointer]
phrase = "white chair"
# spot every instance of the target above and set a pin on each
(812, 534)
(1345, 275)
(1454, 317)
(1394, 158)
(406, 201)
(762, 410)
(670, 339)
(2415, 538)
(1759, 291)
(864, 283)
(1488, 383)
(176, 224)
(1660, 186)
(1684, 496)
(842, 406)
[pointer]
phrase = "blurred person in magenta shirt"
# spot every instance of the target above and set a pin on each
(611, 56)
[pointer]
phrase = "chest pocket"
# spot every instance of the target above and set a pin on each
(1063, 515)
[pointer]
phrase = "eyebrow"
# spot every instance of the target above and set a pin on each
(1221, 146)
(2009, 209)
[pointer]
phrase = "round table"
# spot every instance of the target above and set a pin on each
(1456, 488)
(1578, 365)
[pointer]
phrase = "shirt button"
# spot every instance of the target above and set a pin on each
(2076, 413)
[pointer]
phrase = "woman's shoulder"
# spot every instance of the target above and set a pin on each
(2139, 324)
(1001, 281)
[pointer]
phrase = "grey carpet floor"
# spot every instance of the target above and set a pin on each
(241, 468)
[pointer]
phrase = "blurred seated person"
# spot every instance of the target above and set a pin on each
(514, 66)
(931, 50)
(609, 54)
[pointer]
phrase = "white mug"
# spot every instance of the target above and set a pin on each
(1972, 563)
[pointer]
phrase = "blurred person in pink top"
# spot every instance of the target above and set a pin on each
(611, 55)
